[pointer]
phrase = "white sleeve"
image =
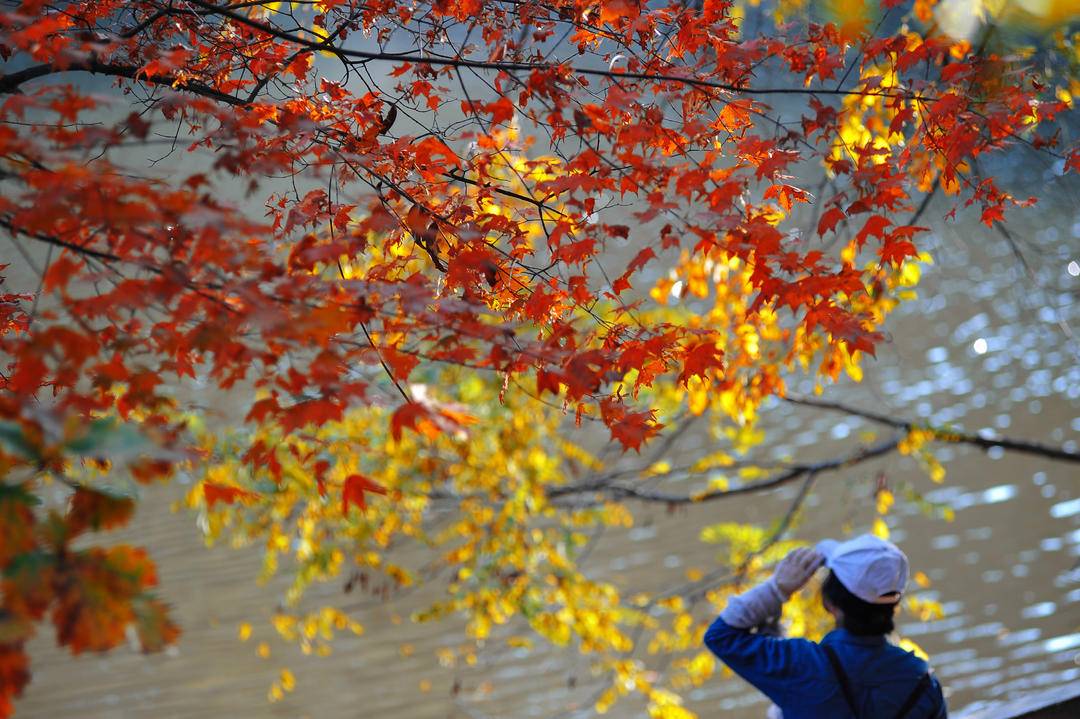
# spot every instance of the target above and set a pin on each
(753, 606)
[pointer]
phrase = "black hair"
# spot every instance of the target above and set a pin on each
(858, 617)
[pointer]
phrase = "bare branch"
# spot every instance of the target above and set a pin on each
(791, 473)
(947, 435)
(509, 66)
(11, 82)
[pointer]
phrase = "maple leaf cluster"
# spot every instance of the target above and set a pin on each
(90, 596)
(455, 203)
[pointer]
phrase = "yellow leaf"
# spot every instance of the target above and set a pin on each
(885, 501)
(675, 603)
(661, 467)
(698, 392)
(937, 470)
(323, 35)
(288, 681)
(910, 274)
(606, 701)
(910, 646)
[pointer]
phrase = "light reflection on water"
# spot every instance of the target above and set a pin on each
(1065, 509)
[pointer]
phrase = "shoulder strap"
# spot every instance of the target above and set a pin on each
(845, 683)
(913, 698)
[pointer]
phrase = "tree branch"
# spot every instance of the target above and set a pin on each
(64, 244)
(947, 435)
(509, 66)
(790, 473)
(11, 82)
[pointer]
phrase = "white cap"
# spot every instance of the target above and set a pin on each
(871, 568)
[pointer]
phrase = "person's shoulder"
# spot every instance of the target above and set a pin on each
(909, 659)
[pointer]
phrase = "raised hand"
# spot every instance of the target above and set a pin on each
(795, 569)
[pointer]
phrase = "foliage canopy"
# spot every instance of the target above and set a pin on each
(475, 223)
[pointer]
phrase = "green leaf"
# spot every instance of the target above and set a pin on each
(152, 623)
(18, 493)
(13, 439)
(16, 521)
(14, 628)
(109, 438)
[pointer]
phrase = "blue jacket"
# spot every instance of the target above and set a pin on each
(797, 676)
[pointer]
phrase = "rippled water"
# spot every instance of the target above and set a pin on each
(986, 348)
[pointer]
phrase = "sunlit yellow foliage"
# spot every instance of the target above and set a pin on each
(924, 609)
(915, 444)
(1039, 15)
(885, 501)
(851, 16)
(740, 544)
(667, 705)
(866, 118)
(511, 553)
(712, 292)
(787, 9)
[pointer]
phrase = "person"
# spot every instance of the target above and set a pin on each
(854, 672)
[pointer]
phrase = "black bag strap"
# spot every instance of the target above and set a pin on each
(913, 698)
(849, 695)
(842, 677)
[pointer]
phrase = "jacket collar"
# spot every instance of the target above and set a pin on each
(843, 636)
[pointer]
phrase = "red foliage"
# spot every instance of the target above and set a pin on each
(353, 491)
(215, 493)
(410, 244)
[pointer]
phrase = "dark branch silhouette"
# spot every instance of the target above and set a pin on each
(947, 435)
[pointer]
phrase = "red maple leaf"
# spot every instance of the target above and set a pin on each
(830, 219)
(353, 491)
(875, 225)
(414, 416)
(630, 429)
(215, 493)
(699, 358)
